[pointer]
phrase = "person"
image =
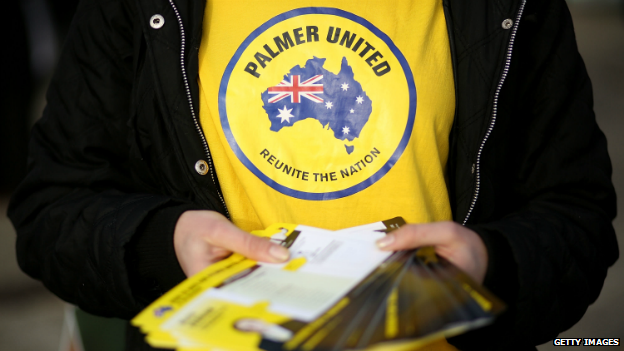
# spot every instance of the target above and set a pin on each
(174, 128)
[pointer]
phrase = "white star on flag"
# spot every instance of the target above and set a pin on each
(345, 130)
(352, 111)
(359, 100)
(344, 86)
(329, 104)
(285, 114)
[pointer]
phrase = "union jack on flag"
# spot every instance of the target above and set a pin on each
(296, 89)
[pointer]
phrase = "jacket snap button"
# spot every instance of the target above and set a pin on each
(201, 167)
(157, 21)
(508, 23)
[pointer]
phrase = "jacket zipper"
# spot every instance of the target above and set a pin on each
(190, 101)
(477, 165)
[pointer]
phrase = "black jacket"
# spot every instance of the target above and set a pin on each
(112, 161)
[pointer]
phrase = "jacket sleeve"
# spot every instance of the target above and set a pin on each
(85, 226)
(548, 190)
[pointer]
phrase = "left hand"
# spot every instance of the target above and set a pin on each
(458, 244)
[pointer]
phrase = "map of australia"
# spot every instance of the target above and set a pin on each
(337, 101)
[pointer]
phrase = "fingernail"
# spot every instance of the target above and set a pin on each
(279, 253)
(385, 241)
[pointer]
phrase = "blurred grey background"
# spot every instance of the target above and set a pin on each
(32, 319)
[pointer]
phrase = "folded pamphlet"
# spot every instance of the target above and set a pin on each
(337, 291)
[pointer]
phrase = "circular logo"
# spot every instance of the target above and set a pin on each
(318, 103)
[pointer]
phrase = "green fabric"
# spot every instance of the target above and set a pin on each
(99, 333)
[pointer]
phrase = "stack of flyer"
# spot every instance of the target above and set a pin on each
(338, 291)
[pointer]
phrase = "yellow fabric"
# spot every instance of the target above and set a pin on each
(248, 141)
(414, 187)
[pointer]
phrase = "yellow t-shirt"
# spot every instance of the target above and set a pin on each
(328, 113)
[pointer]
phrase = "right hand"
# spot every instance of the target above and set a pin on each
(202, 238)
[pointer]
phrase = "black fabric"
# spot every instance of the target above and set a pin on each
(134, 340)
(545, 179)
(112, 162)
(15, 101)
(151, 258)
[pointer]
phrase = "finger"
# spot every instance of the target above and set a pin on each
(233, 239)
(417, 235)
(219, 253)
(215, 254)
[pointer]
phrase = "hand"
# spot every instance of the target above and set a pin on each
(458, 244)
(202, 238)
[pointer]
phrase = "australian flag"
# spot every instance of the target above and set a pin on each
(337, 101)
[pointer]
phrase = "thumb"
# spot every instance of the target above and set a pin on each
(417, 235)
(251, 246)
(261, 249)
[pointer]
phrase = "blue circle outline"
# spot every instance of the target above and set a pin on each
(302, 194)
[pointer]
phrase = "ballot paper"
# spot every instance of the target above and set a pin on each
(323, 268)
(337, 291)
